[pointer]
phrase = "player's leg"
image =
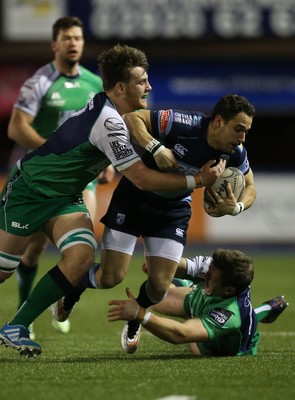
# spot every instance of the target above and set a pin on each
(73, 234)
(61, 309)
(116, 252)
(27, 268)
(269, 311)
(89, 197)
(162, 258)
(11, 249)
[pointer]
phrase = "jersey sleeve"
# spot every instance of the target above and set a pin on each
(239, 159)
(33, 90)
(110, 135)
(161, 122)
(197, 266)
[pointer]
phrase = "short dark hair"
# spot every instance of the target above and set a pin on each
(236, 268)
(65, 23)
(116, 64)
(232, 104)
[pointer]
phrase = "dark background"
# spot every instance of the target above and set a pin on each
(271, 141)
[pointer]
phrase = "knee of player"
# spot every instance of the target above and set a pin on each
(81, 256)
(8, 265)
(108, 281)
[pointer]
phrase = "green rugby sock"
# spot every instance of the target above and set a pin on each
(51, 287)
(25, 276)
(262, 311)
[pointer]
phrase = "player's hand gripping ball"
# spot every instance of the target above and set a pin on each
(235, 178)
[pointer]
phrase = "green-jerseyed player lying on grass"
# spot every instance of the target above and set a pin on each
(213, 298)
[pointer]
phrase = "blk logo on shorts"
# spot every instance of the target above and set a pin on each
(18, 225)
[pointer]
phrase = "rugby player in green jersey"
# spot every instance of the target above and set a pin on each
(43, 192)
(47, 99)
(216, 306)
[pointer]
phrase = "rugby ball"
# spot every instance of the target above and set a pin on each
(235, 178)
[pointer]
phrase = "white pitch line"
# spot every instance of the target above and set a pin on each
(277, 333)
(175, 397)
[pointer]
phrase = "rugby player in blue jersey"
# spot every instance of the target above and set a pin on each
(162, 218)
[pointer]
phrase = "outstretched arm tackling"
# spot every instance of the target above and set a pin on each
(167, 329)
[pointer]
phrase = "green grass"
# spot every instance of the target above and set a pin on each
(88, 363)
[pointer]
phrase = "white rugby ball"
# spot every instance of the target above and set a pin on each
(235, 178)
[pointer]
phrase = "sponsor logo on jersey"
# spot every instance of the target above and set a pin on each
(116, 126)
(183, 118)
(72, 85)
(164, 119)
(120, 219)
(55, 96)
(180, 150)
(220, 315)
(56, 100)
(197, 120)
(18, 225)
(179, 232)
(120, 150)
(186, 169)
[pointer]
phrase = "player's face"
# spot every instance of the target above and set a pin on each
(233, 132)
(136, 90)
(213, 282)
(68, 47)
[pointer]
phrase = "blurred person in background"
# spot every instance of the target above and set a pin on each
(47, 99)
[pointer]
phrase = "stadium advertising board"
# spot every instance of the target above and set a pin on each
(167, 19)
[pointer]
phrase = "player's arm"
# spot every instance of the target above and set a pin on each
(191, 330)
(21, 131)
(150, 180)
(249, 194)
(139, 125)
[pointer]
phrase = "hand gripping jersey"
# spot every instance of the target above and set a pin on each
(51, 97)
(83, 146)
(230, 322)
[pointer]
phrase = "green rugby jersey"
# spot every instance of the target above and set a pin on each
(230, 322)
(51, 97)
(83, 146)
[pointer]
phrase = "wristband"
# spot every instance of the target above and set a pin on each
(190, 182)
(146, 318)
(238, 208)
(158, 149)
(153, 146)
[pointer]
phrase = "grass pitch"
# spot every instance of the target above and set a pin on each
(88, 363)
